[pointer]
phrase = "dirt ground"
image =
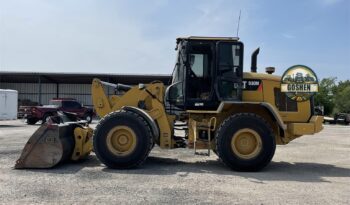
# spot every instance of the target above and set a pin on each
(310, 170)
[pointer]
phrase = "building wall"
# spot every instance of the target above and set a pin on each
(30, 91)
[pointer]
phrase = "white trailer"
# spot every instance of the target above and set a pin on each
(8, 104)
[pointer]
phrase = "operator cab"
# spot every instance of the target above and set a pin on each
(207, 71)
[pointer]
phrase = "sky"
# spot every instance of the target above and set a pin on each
(138, 37)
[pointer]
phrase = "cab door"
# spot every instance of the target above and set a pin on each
(200, 92)
(229, 71)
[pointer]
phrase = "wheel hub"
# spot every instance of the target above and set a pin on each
(121, 140)
(246, 143)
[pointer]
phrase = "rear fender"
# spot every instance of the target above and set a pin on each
(271, 110)
(267, 106)
(274, 113)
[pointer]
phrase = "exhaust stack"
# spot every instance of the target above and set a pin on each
(253, 68)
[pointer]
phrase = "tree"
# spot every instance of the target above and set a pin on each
(342, 97)
(324, 97)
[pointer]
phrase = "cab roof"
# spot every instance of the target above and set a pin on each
(208, 38)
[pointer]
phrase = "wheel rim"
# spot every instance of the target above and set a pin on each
(47, 118)
(88, 118)
(121, 140)
(246, 143)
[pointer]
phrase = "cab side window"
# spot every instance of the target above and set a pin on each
(229, 60)
(229, 71)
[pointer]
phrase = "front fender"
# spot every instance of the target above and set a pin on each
(146, 117)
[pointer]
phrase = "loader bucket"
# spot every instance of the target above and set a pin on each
(50, 145)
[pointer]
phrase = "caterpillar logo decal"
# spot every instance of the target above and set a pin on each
(251, 84)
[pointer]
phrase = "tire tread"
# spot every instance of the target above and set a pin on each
(137, 116)
(226, 123)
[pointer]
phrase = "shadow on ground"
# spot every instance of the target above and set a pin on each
(276, 171)
(11, 126)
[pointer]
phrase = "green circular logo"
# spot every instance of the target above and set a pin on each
(299, 82)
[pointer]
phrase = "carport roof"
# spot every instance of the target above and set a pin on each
(79, 78)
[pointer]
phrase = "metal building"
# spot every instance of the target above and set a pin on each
(41, 87)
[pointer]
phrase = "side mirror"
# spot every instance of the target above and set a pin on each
(174, 94)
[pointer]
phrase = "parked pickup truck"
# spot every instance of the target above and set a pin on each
(339, 118)
(35, 113)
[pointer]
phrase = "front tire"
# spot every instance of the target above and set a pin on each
(46, 117)
(122, 140)
(245, 142)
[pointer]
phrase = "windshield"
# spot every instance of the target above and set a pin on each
(175, 94)
(178, 74)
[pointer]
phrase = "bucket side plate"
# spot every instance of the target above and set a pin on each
(48, 146)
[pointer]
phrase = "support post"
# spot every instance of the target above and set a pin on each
(109, 80)
(57, 90)
(39, 84)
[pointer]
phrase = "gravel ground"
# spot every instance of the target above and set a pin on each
(310, 170)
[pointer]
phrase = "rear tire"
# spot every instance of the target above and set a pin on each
(122, 140)
(31, 121)
(245, 142)
(347, 119)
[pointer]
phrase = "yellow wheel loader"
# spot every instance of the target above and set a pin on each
(240, 116)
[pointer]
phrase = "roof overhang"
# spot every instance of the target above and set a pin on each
(79, 78)
(209, 38)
